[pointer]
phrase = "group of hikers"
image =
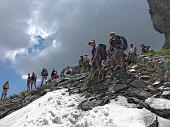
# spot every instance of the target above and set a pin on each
(31, 80)
(115, 56)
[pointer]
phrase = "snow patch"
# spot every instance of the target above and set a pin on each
(59, 109)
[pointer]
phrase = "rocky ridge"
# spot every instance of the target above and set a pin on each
(145, 85)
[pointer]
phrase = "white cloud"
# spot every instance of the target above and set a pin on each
(12, 54)
(65, 27)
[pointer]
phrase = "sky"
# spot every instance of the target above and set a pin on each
(54, 33)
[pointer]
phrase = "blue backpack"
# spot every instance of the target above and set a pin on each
(102, 51)
(125, 45)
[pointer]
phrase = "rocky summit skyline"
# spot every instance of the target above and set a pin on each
(53, 34)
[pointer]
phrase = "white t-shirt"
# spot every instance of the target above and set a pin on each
(132, 50)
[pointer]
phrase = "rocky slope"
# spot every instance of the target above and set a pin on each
(160, 15)
(146, 85)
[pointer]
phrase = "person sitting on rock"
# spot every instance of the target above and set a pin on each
(144, 48)
(81, 64)
(44, 74)
(5, 90)
(54, 75)
(132, 54)
(33, 80)
(28, 81)
(86, 63)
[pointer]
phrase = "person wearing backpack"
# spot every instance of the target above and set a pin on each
(5, 90)
(44, 74)
(33, 80)
(97, 57)
(54, 75)
(118, 44)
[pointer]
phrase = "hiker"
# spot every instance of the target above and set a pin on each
(54, 75)
(33, 80)
(81, 64)
(86, 63)
(44, 74)
(118, 44)
(132, 54)
(144, 48)
(5, 90)
(113, 49)
(28, 81)
(96, 60)
(147, 49)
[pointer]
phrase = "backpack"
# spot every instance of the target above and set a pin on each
(125, 45)
(102, 51)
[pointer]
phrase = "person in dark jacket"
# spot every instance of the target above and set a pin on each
(33, 80)
(54, 75)
(5, 90)
(44, 74)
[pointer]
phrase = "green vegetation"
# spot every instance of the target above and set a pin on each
(162, 52)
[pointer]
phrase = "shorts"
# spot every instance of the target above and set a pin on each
(5, 91)
(120, 52)
(114, 53)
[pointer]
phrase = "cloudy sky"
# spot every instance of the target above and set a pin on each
(54, 33)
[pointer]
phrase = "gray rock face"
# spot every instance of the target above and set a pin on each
(118, 88)
(166, 94)
(138, 83)
(90, 105)
(150, 119)
(160, 15)
(159, 106)
(145, 77)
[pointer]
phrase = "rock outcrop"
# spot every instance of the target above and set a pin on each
(144, 85)
(160, 15)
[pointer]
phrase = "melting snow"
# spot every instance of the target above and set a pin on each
(59, 109)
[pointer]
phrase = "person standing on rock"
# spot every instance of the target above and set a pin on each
(118, 44)
(28, 81)
(96, 60)
(44, 74)
(33, 80)
(54, 75)
(112, 49)
(132, 54)
(5, 90)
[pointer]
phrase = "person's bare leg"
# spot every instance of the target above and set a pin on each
(100, 72)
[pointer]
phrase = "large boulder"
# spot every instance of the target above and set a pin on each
(145, 77)
(160, 15)
(118, 88)
(138, 83)
(166, 94)
(159, 106)
(150, 119)
(88, 105)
